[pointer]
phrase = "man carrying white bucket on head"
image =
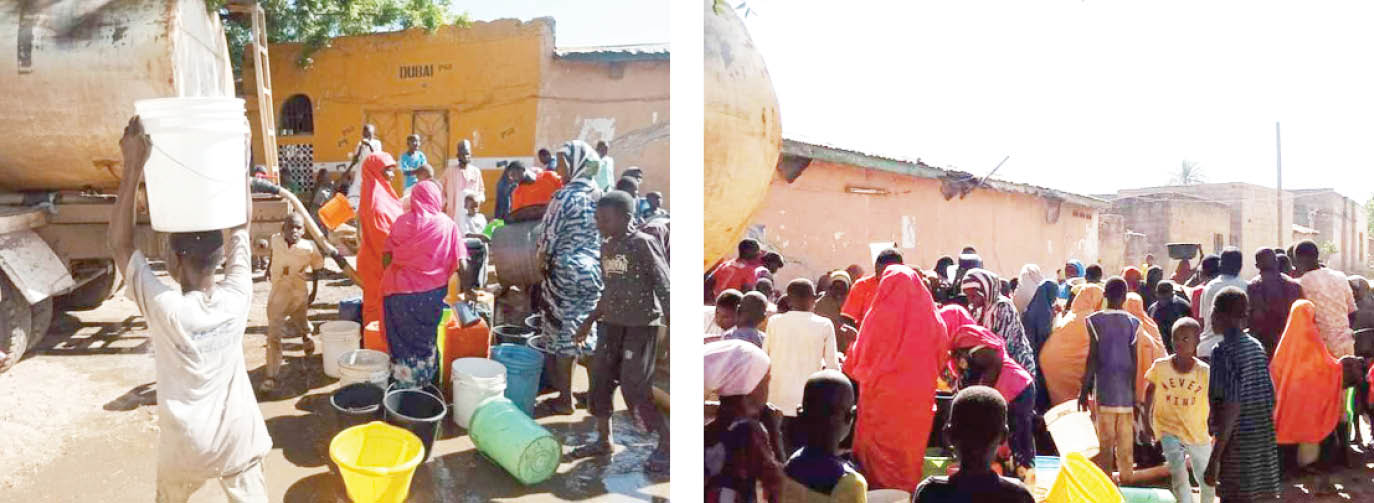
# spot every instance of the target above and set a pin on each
(211, 427)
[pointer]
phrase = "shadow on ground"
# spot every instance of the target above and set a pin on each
(109, 338)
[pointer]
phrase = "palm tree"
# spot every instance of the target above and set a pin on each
(1188, 174)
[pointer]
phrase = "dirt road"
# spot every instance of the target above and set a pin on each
(79, 423)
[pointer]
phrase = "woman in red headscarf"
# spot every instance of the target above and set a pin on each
(902, 345)
(377, 210)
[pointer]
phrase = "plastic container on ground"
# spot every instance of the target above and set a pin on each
(514, 441)
(1072, 429)
(339, 337)
(1046, 470)
(364, 365)
(1147, 495)
(523, 368)
(376, 461)
(1080, 480)
(474, 381)
(888, 496)
(197, 172)
(455, 342)
(936, 466)
(373, 339)
(351, 310)
(355, 404)
(534, 321)
(513, 334)
(419, 410)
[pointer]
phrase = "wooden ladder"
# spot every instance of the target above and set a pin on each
(267, 118)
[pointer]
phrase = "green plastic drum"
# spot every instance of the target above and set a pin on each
(1146, 495)
(510, 438)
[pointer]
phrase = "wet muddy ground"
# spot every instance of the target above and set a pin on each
(79, 423)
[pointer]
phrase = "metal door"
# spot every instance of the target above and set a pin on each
(393, 126)
(432, 126)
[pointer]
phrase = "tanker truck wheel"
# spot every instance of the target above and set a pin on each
(90, 295)
(15, 324)
(40, 316)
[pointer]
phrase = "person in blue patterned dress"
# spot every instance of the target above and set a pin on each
(1245, 463)
(569, 251)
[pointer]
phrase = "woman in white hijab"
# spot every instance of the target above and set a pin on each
(743, 442)
(1025, 287)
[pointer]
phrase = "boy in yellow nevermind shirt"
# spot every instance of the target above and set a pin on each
(1176, 395)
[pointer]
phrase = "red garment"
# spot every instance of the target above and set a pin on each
(964, 333)
(1307, 381)
(860, 299)
(895, 360)
(1182, 273)
(539, 192)
(378, 209)
(1197, 304)
(737, 274)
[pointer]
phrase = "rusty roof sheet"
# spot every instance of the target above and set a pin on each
(611, 53)
(918, 168)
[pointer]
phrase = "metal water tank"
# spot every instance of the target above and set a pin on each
(70, 71)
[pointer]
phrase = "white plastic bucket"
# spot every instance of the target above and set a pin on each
(475, 380)
(339, 337)
(888, 496)
(1072, 429)
(158, 107)
(197, 170)
(364, 365)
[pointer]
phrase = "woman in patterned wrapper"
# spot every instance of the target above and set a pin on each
(569, 251)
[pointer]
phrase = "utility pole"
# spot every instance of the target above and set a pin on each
(1278, 164)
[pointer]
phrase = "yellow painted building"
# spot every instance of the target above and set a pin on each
(487, 83)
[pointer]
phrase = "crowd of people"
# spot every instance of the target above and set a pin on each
(601, 250)
(840, 385)
(603, 260)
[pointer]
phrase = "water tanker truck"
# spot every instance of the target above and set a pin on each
(71, 71)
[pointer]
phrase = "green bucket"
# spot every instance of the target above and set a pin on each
(510, 438)
(936, 466)
(1146, 495)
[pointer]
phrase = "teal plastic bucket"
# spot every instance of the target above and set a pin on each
(514, 441)
(523, 367)
(1146, 495)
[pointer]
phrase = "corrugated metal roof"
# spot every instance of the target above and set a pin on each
(609, 53)
(918, 168)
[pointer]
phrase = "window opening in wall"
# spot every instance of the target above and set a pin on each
(297, 116)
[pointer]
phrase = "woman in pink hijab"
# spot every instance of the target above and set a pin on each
(901, 348)
(425, 248)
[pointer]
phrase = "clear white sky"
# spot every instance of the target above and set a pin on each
(1085, 96)
(580, 23)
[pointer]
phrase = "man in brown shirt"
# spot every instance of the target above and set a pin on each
(1271, 295)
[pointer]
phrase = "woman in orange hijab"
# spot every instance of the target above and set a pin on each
(1146, 352)
(1065, 353)
(1307, 381)
(378, 209)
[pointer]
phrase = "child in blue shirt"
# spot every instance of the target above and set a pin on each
(411, 161)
